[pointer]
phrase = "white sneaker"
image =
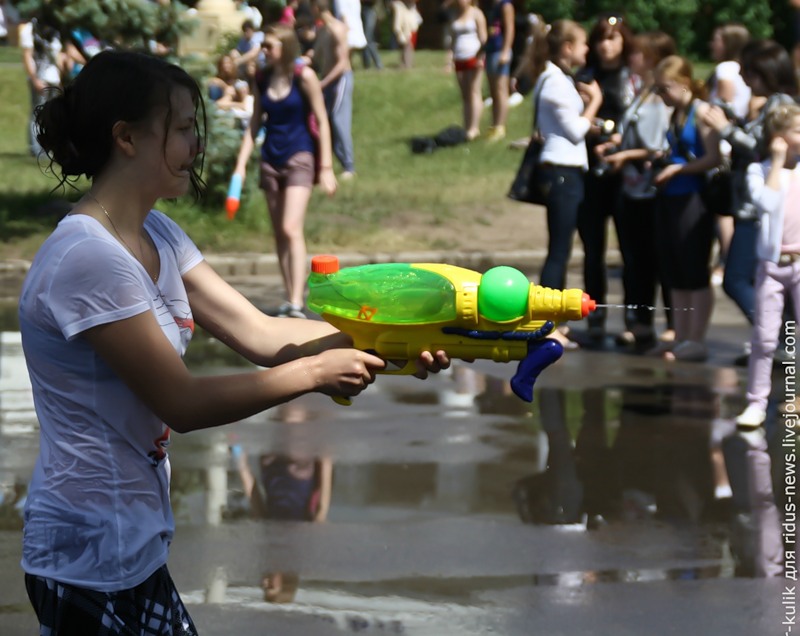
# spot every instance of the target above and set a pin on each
(752, 417)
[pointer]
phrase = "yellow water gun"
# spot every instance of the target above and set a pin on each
(399, 310)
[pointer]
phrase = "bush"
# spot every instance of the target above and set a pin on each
(690, 22)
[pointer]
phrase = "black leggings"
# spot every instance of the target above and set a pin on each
(685, 235)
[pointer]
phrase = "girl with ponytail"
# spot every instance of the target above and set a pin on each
(566, 110)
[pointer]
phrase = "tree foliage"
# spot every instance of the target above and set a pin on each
(124, 23)
(690, 22)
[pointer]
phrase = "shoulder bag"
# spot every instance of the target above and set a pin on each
(525, 187)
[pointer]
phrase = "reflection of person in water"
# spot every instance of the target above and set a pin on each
(659, 461)
(756, 540)
(290, 488)
(280, 587)
(571, 486)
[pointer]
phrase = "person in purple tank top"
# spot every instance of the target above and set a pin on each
(285, 94)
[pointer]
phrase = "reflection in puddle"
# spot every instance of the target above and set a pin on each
(613, 483)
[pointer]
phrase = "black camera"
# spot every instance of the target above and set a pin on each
(584, 75)
(725, 107)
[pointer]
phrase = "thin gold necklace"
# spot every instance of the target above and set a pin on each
(124, 242)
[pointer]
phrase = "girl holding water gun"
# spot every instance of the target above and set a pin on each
(106, 312)
(282, 103)
(774, 186)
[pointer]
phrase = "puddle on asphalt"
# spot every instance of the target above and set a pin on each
(611, 461)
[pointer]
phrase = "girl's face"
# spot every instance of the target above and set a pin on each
(273, 49)
(579, 49)
(226, 67)
(792, 137)
(638, 63)
(609, 49)
(168, 164)
(717, 47)
(673, 92)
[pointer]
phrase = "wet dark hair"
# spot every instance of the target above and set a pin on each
(74, 127)
(772, 63)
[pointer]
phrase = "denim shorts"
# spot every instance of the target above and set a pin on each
(494, 67)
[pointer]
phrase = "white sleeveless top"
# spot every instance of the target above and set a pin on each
(466, 43)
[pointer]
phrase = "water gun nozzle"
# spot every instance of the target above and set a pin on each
(587, 305)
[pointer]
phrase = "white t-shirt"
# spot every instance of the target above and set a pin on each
(350, 14)
(98, 513)
(560, 120)
(732, 72)
(46, 59)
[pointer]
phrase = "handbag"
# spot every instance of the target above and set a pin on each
(526, 186)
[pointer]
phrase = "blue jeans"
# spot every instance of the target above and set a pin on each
(564, 197)
(370, 52)
(740, 267)
(339, 104)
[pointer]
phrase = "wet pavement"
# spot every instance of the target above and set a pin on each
(455, 508)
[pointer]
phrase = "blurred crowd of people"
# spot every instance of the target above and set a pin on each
(679, 163)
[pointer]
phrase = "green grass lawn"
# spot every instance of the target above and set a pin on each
(393, 185)
(395, 198)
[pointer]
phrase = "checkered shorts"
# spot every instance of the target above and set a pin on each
(149, 609)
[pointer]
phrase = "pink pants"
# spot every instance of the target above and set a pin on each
(773, 282)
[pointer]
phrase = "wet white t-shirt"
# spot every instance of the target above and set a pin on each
(98, 513)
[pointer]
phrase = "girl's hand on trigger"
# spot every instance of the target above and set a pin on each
(431, 363)
(345, 372)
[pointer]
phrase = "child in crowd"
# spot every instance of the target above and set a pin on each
(774, 186)
(106, 313)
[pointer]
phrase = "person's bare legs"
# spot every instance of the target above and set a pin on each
(469, 84)
(702, 300)
(498, 87)
(475, 78)
(682, 308)
(288, 222)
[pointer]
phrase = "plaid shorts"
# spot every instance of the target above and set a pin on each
(151, 608)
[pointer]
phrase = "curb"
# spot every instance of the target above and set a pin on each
(256, 264)
(528, 261)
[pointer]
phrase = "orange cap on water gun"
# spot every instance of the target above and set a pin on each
(587, 305)
(325, 264)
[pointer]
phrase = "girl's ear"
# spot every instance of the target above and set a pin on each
(122, 133)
